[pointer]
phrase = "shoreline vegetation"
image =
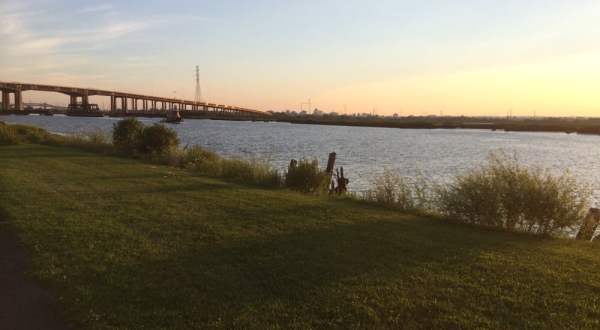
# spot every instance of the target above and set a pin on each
(550, 125)
(501, 194)
(128, 242)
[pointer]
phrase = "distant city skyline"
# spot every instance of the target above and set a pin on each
(468, 57)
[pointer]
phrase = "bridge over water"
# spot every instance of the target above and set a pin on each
(122, 103)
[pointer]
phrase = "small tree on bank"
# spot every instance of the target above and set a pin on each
(131, 136)
(158, 139)
(127, 135)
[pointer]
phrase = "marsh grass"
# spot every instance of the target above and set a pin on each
(391, 189)
(97, 142)
(8, 135)
(15, 134)
(307, 177)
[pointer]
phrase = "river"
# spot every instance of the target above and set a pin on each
(437, 155)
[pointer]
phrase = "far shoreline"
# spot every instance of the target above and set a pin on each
(582, 126)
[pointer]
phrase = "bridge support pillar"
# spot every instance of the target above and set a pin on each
(18, 101)
(124, 104)
(5, 100)
(85, 102)
(73, 100)
(113, 104)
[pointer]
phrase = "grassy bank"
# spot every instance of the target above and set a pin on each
(132, 245)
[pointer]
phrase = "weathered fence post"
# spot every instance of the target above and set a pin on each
(589, 226)
(330, 163)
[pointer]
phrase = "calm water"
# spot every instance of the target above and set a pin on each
(434, 154)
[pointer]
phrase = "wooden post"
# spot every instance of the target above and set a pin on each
(293, 165)
(330, 163)
(589, 226)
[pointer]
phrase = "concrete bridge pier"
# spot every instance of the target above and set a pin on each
(75, 104)
(85, 102)
(5, 100)
(18, 100)
(113, 103)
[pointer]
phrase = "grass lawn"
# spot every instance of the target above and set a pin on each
(130, 245)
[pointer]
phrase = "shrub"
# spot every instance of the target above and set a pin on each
(505, 194)
(391, 189)
(8, 135)
(307, 177)
(251, 171)
(197, 158)
(127, 135)
(158, 139)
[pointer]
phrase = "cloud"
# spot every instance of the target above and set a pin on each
(29, 30)
(41, 40)
(116, 30)
(41, 44)
(106, 7)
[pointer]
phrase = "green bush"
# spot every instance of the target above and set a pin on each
(158, 139)
(8, 135)
(505, 194)
(307, 177)
(127, 135)
(393, 190)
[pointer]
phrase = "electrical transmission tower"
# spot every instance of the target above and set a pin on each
(198, 90)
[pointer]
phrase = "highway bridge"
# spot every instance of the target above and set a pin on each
(122, 103)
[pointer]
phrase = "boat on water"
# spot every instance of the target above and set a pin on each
(84, 110)
(173, 117)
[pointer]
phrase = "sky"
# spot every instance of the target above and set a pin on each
(427, 57)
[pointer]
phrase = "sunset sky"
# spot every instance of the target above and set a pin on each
(471, 57)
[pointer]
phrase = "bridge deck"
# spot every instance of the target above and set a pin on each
(84, 93)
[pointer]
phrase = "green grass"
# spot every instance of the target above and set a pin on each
(130, 245)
